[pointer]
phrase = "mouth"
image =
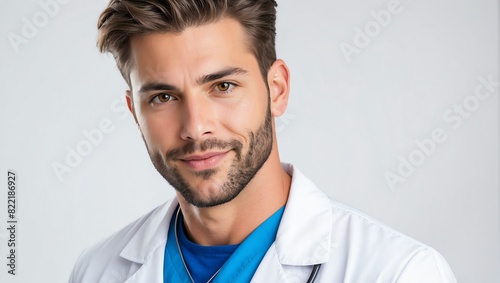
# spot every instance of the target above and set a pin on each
(200, 162)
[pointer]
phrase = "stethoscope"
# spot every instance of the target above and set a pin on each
(314, 272)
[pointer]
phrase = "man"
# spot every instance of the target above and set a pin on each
(205, 85)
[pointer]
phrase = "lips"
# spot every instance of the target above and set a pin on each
(205, 161)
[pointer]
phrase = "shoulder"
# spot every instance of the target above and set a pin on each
(350, 225)
(352, 246)
(103, 262)
(373, 247)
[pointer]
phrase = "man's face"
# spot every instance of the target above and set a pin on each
(203, 109)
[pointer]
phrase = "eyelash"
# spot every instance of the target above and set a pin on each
(171, 97)
(231, 87)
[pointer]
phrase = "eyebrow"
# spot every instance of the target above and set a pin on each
(154, 86)
(157, 86)
(221, 74)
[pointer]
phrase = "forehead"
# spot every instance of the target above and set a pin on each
(201, 48)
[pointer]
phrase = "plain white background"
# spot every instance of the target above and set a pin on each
(352, 118)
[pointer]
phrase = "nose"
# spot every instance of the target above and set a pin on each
(197, 119)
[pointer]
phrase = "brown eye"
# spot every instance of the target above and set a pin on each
(162, 98)
(224, 86)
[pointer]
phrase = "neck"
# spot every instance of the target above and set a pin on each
(232, 222)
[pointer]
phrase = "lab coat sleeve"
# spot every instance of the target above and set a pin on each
(427, 266)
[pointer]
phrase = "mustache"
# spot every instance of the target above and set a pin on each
(207, 144)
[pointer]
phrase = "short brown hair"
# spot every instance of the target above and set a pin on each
(123, 19)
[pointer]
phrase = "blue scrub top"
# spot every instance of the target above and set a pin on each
(239, 267)
(202, 261)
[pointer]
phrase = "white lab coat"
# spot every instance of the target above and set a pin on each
(352, 247)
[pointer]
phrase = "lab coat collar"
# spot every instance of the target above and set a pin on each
(305, 233)
(151, 235)
(303, 237)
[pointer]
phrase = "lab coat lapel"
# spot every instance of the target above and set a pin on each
(152, 269)
(270, 269)
(305, 233)
(147, 246)
(304, 237)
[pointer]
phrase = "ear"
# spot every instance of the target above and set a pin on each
(278, 79)
(130, 105)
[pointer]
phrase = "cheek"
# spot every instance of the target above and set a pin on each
(156, 130)
(248, 114)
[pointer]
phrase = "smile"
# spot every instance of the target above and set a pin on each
(204, 161)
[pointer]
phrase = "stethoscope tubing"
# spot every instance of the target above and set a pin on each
(314, 273)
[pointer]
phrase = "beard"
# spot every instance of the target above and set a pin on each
(243, 168)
